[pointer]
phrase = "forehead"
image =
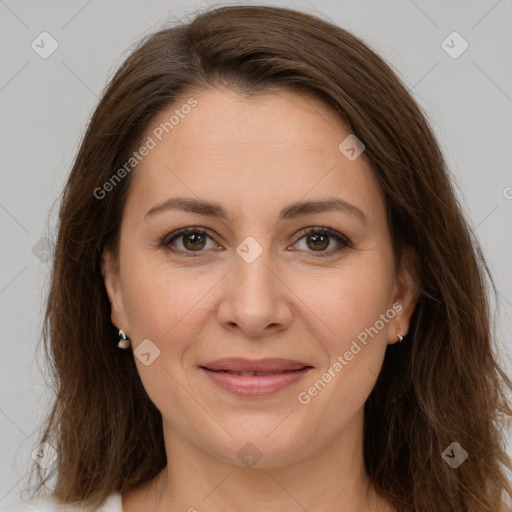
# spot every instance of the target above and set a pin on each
(279, 147)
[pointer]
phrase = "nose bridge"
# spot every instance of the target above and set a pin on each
(252, 273)
(253, 298)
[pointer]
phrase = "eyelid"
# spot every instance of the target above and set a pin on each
(326, 230)
(168, 239)
(342, 240)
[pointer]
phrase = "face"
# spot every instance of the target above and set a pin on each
(264, 280)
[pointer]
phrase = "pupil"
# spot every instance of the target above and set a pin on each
(317, 237)
(194, 238)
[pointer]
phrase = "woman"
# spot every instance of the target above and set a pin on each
(261, 214)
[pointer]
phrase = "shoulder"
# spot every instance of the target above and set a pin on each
(50, 504)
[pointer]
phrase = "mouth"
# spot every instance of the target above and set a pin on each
(253, 379)
(267, 365)
(252, 374)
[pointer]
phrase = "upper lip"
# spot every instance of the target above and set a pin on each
(239, 364)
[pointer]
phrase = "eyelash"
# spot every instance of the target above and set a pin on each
(345, 243)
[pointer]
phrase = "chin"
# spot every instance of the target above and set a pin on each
(255, 448)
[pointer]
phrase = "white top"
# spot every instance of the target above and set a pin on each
(49, 504)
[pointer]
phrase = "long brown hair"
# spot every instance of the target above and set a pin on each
(443, 384)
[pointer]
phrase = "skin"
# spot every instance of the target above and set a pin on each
(254, 157)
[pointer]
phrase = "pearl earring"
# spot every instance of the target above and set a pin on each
(124, 341)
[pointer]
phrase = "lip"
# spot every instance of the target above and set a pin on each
(240, 364)
(285, 372)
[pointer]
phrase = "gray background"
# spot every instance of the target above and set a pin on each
(46, 103)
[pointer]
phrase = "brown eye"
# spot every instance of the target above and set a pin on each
(193, 240)
(319, 239)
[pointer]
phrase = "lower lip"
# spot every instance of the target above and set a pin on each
(254, 385)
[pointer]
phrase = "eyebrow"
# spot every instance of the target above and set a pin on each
(215, 210)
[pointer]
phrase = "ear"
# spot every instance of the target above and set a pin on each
(406, 294)
(111, 278)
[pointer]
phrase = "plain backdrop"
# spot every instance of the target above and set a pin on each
(46, 104)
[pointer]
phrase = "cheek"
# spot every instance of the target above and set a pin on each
(361, 318)
(160, 306)
(165, 303)
(147, 304)
(347, 307)
(347, 300)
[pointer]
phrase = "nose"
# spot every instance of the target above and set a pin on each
(255, 298)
